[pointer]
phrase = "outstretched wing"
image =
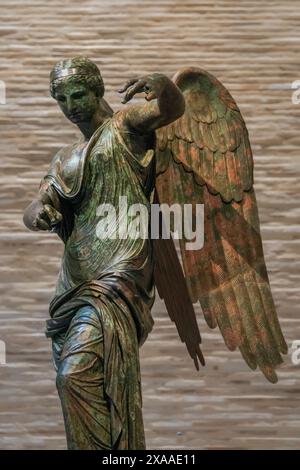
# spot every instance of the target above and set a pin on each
(205, 158)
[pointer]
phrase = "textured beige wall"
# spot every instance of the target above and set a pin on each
(253, 48)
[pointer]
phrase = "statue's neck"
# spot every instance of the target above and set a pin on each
(103, 112)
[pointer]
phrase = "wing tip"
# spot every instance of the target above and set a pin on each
(198, 357)
(270, 374)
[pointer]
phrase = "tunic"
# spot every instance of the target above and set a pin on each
(113, 274)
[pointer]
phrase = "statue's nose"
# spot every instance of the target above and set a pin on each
(70, 104)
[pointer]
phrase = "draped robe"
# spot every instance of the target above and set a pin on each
(113, 275)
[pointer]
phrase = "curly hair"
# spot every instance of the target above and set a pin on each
(87, 73)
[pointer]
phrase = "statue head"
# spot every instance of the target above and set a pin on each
(77, 86)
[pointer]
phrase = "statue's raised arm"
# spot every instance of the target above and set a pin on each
(165, 102)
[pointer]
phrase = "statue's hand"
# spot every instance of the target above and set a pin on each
(47, 217)
(152, 85)
(39, 216)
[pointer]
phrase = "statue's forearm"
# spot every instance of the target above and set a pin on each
(168, 103)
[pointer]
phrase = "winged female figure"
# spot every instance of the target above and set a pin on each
(187, 144)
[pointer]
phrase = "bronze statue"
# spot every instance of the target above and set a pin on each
(187, 144)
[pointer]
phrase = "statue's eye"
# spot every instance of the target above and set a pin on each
(78, 94)
(61, 98)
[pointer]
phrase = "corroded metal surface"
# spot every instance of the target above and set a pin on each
(252, 48)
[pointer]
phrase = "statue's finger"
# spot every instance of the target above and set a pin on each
(42, 224)
(128, 84)
(49, 212)
(150, 96)
(137, 88)
(45, 217)
(53, 215)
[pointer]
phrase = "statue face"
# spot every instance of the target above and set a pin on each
(76, 100)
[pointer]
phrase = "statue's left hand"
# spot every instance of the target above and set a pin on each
(152, 85)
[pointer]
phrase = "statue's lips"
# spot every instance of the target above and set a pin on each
(75, 116)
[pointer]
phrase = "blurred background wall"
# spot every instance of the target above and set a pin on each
(253, 48)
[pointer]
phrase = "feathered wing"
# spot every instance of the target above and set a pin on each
(172, 288)
(205, 158)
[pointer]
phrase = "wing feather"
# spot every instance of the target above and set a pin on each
(209, 161)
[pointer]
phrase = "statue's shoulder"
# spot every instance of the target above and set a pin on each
(65, 158)
(66, 167)
(65, 153)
